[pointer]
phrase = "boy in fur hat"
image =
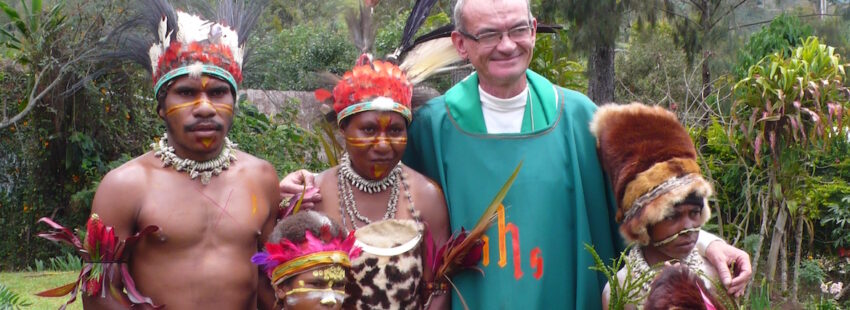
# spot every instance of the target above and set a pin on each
(662, 198)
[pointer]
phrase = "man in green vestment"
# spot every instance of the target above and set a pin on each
(469, 139)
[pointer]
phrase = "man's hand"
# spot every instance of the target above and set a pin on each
(293, 184)
(721, 256)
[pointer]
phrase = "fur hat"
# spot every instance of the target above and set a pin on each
(651, 162)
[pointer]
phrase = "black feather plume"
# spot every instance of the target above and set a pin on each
(421, 10)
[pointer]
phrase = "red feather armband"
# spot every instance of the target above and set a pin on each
(104, 257)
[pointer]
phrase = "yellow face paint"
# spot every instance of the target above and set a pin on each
(220, 107)
(207, 142)
(378, 171)
(204, 81)
(372, 141)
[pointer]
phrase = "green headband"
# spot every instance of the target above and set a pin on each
(205, 69)
(376, 104)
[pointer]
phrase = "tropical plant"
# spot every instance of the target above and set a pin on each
(784, 107)
(12, 300)
(32, 38)
(630, 292)
(279, 140)
(811, 272)
(839, 216)
(551, 61)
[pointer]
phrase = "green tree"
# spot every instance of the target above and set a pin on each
(699, 24)
(782, 34)
(597, 24)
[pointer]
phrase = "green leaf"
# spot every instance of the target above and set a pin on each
(11, 37)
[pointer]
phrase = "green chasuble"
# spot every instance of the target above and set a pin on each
(534, 257)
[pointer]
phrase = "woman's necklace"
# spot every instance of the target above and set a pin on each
(206, 170)
(347, 178)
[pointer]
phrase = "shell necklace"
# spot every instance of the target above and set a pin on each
(206, 170)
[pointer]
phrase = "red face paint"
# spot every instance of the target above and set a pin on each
(383, 121)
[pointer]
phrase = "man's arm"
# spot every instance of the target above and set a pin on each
(115, 202)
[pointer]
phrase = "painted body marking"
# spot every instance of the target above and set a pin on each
(372, 141)
(221, 107)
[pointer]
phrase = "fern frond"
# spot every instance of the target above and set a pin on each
(12, 300)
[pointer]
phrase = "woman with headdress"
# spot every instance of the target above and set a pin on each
(391, 208)
(307, 258)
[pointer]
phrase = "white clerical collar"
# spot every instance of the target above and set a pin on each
(507, 104)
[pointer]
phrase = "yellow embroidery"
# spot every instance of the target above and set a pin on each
(332, 273)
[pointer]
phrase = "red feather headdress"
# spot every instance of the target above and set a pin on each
(284, 259)
(185, 44)
(371, 86)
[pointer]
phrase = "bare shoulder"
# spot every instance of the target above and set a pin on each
(429, 201)
(422, 186)
(128, 178)
(257, 167)
(121, 193)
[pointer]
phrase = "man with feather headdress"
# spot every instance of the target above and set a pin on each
(214, 205)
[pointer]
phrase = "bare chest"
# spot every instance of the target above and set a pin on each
(231, 211)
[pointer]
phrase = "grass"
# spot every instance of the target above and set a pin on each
(29, 283)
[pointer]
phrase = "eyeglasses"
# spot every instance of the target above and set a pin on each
(492, 38)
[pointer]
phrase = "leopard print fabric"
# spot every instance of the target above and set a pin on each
(381, 278)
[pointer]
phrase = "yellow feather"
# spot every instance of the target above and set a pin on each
(429, 57)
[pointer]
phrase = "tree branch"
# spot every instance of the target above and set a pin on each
(33, 97)
(730, 11)
(770, 20)
(673, 13)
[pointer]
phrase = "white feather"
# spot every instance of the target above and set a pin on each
(383, 104)
(163, 27)
(192, 28)
(196, 69)
(428, 58)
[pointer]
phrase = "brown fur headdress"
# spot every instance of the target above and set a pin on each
(651, 162)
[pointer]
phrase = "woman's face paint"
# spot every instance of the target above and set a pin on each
(322, 288)
(375, 141)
